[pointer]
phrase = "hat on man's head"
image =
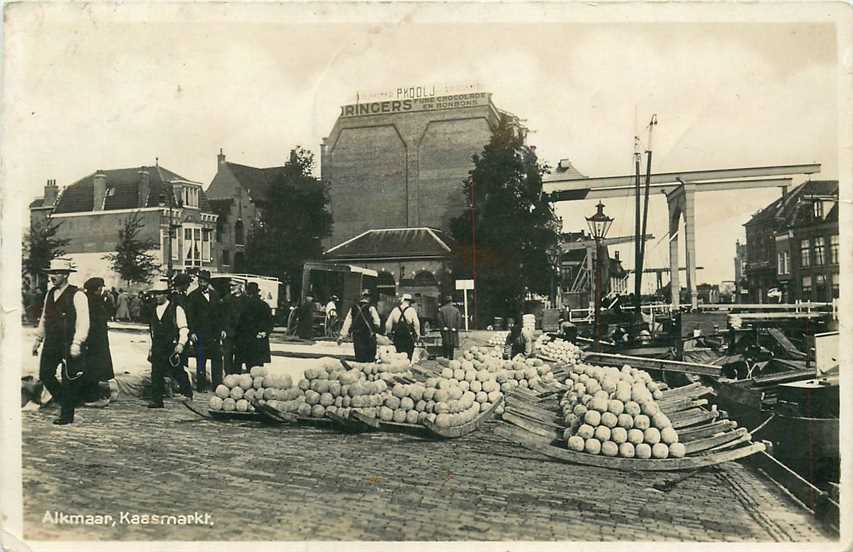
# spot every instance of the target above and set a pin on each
(160, 285)
(448, 299)
(252, 287)
(203, 275)
(181, 280)
(61, 264)
(406, 297)
(92, 284)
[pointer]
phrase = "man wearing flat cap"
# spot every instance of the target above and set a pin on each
(363, 320)
(63, 327)
(203, 313)
(403, 326)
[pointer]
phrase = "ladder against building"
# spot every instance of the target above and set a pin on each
(680, 189)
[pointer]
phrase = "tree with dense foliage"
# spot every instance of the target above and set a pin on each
(131, 259)
(292, 224)
(508, 229)
(42, 244)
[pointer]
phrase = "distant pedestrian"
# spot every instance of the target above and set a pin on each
(109, 302)
(403, 326)
(450, 322)
(204, 320)
(135, 307)
(122, 306)
(305, 327)
(363, 320)
(99, 361)
(254, 329)
(63, 328)
(169, 333)
(230, 310)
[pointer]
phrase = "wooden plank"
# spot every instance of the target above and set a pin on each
(691, 417)
(679, 406)
(366, 420)
(549, 421)
(530, 426)
(699, 445)
(700, 432)
(536, 443)
(676, 391)
(608, 359)
(786, 478)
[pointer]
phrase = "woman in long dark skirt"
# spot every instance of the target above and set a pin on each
(99, 361)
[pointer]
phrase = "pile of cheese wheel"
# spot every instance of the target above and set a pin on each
(234, 394)
(615, 413)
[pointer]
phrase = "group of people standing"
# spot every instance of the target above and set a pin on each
(232, 332)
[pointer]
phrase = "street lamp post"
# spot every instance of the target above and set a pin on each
(599, 224)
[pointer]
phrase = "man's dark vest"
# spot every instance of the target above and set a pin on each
(164, 332)
(60, 317)
(361, 325)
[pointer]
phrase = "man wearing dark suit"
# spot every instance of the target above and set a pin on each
(450, 321)
(203, 312)
(230, 310)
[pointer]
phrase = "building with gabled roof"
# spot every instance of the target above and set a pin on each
(93, 209)
(792, 245)
(238, 193)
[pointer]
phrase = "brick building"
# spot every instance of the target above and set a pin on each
(792, 245)
(238, 194)
(400, 164)
(92, 210)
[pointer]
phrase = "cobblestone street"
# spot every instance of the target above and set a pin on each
(261, 482)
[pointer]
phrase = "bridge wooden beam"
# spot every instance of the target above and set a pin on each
(686, 176)
(577, 190)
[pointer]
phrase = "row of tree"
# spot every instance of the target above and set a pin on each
(504, 236)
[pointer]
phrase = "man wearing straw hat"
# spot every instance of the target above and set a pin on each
(169, 334)
(403, 326)
(363, 320)
(63, 328)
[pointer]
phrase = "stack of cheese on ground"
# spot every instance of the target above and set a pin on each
(615, 413)
(234, 394)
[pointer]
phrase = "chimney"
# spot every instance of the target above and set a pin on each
(617, 254)
(51, 192)
(100, 190)
(144, 188)
(293, 157)
(220, 159)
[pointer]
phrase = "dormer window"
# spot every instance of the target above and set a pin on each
(190, 196)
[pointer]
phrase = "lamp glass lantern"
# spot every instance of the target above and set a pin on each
(599, 223)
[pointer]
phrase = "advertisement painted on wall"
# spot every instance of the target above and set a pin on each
(433, 103)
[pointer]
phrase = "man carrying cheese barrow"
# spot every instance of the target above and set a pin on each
(169, 333)
(363, 319)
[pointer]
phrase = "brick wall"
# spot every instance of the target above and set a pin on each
(401, 169)
(225, 186)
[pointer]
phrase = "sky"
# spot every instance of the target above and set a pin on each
(91, 90)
